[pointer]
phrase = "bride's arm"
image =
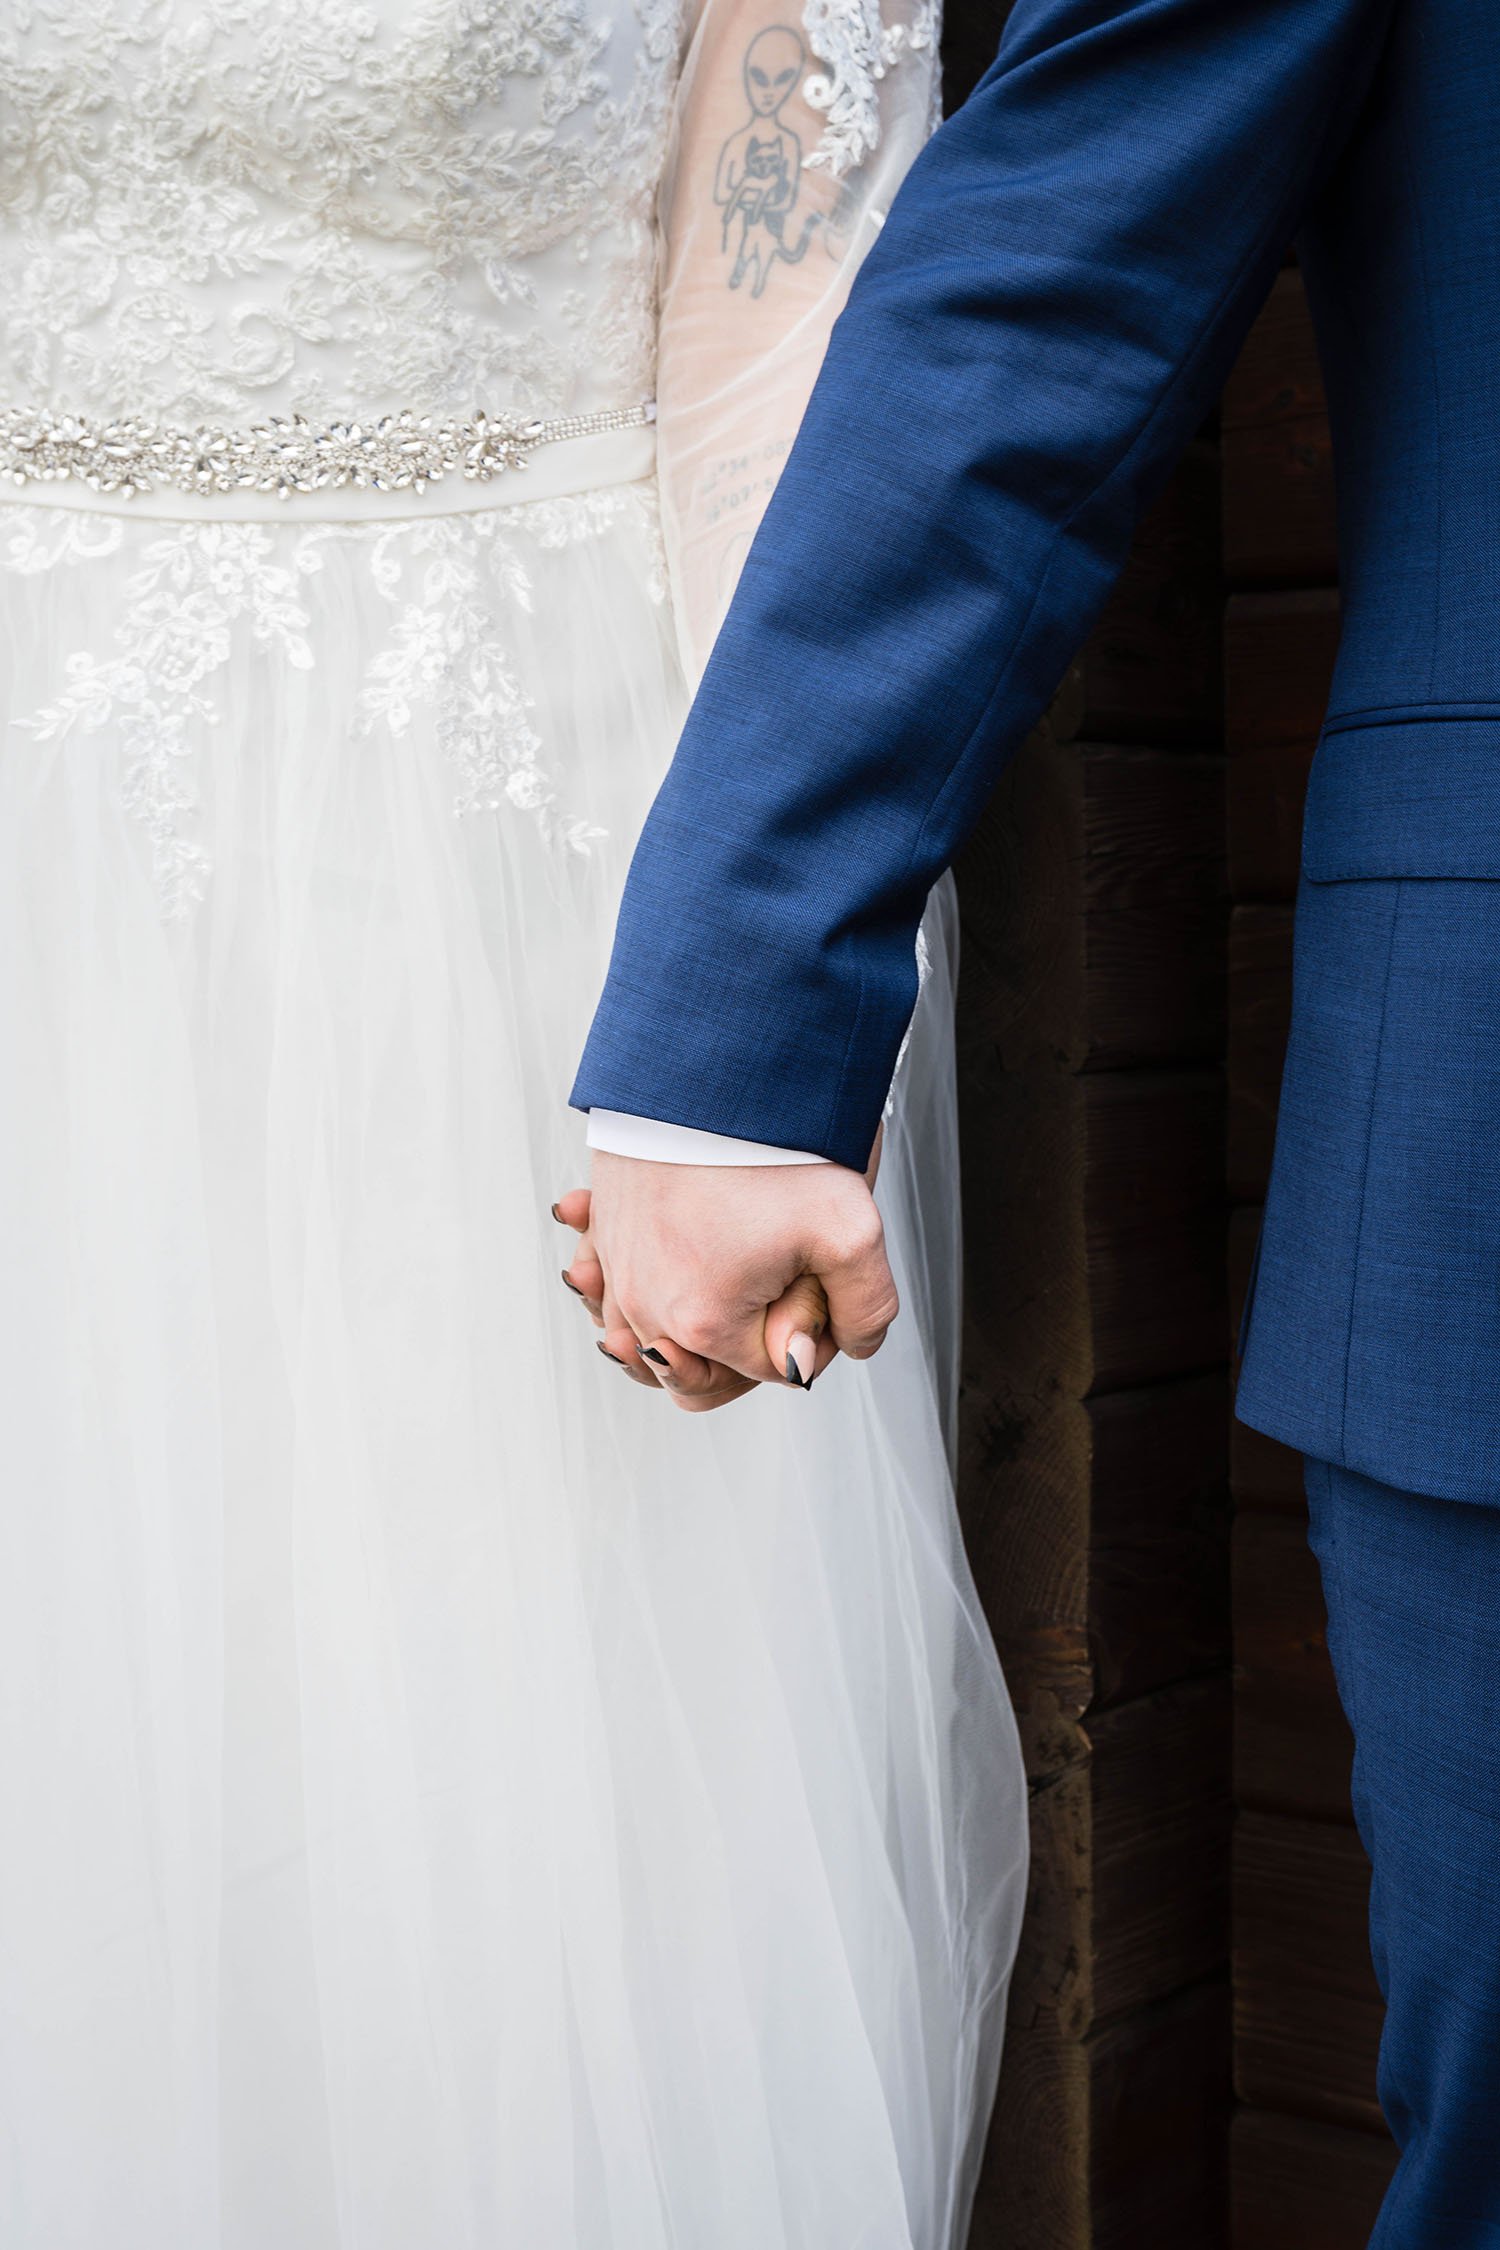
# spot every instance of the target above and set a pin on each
(795, 125)
(796, 122)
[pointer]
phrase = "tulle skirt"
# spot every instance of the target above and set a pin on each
(451, 1800)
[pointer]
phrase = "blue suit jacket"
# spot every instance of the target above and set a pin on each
(1050, 310)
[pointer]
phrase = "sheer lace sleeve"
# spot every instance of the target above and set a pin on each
(794, 131)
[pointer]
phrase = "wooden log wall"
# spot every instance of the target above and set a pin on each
(1095, 1426)
(1310, 2157)
(1095, 1439)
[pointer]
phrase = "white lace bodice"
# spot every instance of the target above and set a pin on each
(228, 208)
(224, 209)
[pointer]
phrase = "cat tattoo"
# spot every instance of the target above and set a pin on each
(760, 166)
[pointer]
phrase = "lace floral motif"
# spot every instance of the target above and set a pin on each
(447, 581)
(212, 208)
(444, 587)
(857, 46)
(175, 631)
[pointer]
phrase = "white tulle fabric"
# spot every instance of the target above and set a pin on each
(450, 1798)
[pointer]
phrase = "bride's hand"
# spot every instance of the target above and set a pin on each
(758, 1272)
(696, 1385)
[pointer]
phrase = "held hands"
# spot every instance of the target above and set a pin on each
(709, 1279)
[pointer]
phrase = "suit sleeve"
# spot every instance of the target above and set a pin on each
(1052, 306)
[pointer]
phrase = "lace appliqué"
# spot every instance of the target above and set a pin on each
(857, 48)
(445, 589)
(175, 633)
(448, 581)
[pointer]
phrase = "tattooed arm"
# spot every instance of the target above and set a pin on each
(763, 227)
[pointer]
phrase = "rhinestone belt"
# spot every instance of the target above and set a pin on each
(398, 453)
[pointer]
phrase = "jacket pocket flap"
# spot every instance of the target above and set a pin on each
(1415, 797)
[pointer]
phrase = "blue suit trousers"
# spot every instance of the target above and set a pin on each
(1413, 1593)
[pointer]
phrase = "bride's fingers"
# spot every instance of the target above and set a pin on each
(583, 1273)
(585, 1277)
(618, 1344)
(695, 1384)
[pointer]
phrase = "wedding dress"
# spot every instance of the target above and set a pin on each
(451, 1800)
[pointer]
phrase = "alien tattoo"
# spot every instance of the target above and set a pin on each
(760, 166)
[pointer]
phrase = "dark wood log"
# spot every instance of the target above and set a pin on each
(1277, 377)
(1034, 2190)
(1279, 525)
(1292, 1745)
(1244, 1233)
(1156, 906)
(1297, 2186)
(1024, 1469)
(1154, 1219)
(1279, 652)
(1260, 1000)
(1263, 1473)
(1161, 1816)
(1159, 1539)
(1279, 513)
(1307, 2008)
(1094, 906)
(1159, 2112)
(1153, 664)
(1024, 1437)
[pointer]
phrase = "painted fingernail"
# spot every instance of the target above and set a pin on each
(801, 1360)
(570, 1283)
(663, 1366)
(657, 1359)
(557, 1215)
(610, 1355)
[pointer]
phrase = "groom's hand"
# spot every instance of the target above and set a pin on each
(714, 1278)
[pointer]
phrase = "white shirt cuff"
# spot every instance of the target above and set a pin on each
(647, 1137)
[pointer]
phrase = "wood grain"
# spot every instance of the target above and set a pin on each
(1093, 1444)
(1307, 2008)
(1158, 1564)
(1153, 664)
(1161, 1817)
(1279, 652)
(1155, 905)
(1154, 1212)
(1159, 2114)
(1264, 1474)
(1297, 2186)
(1292, 1745)
(1277, 377)
(1279, 517)
(1260, 1006)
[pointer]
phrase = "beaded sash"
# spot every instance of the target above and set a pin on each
(398, 453)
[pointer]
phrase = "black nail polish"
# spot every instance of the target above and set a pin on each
(557, 1214)
(794, 1374)
(610, 1355)
(657, 1359)
(569, 1284)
